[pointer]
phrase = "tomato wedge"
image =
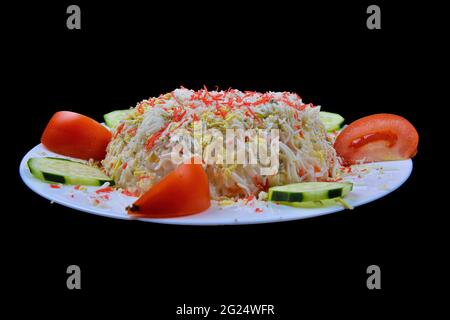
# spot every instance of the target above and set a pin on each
(379, 137)
(72, 134)
(182, 192)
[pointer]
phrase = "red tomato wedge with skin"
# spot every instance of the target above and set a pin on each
(379, 137)
(182, 192)
(75, 135)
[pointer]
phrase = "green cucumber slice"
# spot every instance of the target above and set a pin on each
(309, 191)
(314, 204)
(113, 118)
(331, 121)
(67, 172)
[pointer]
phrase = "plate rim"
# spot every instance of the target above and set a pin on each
(182, 220)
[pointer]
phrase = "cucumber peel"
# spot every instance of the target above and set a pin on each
(113, 118)
(331, 121)
(309, 192)
(58, 170)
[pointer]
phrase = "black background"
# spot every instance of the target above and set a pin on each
(127, 52)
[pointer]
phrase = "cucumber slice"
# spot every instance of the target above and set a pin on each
(331, 121)
(113, 118)
(67, 172)
(309, 191)
(314, 204)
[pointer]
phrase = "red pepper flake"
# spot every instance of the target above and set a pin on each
(153, 138)
(194, 96)
(178, 115)
(258, 210)
(224, 113)
(217, 96)
(264, 186)
(125, 165)
(132, 131)
(253, 114)
(346, 169)
(248, 199)
(178, 126)
(129, 193)
(119, 129)
(229, 102)
(55, 186)
(97, 201)
(104, 190)
(105, 196)
(195, 117)
(265, 98)
(143, 177)
(286, 100)
(206, 101)
(78, 187)
(220, 111)
(303, 107)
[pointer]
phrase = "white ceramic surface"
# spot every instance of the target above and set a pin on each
(374, 181)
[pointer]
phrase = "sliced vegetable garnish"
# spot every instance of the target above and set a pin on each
(318, 203)
(182, 192)
(331, 121)
(75, 135)
(67, 172)
(113, 118)
(309, 191)
(379, 137)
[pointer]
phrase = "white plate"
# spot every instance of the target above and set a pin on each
(374, 181)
